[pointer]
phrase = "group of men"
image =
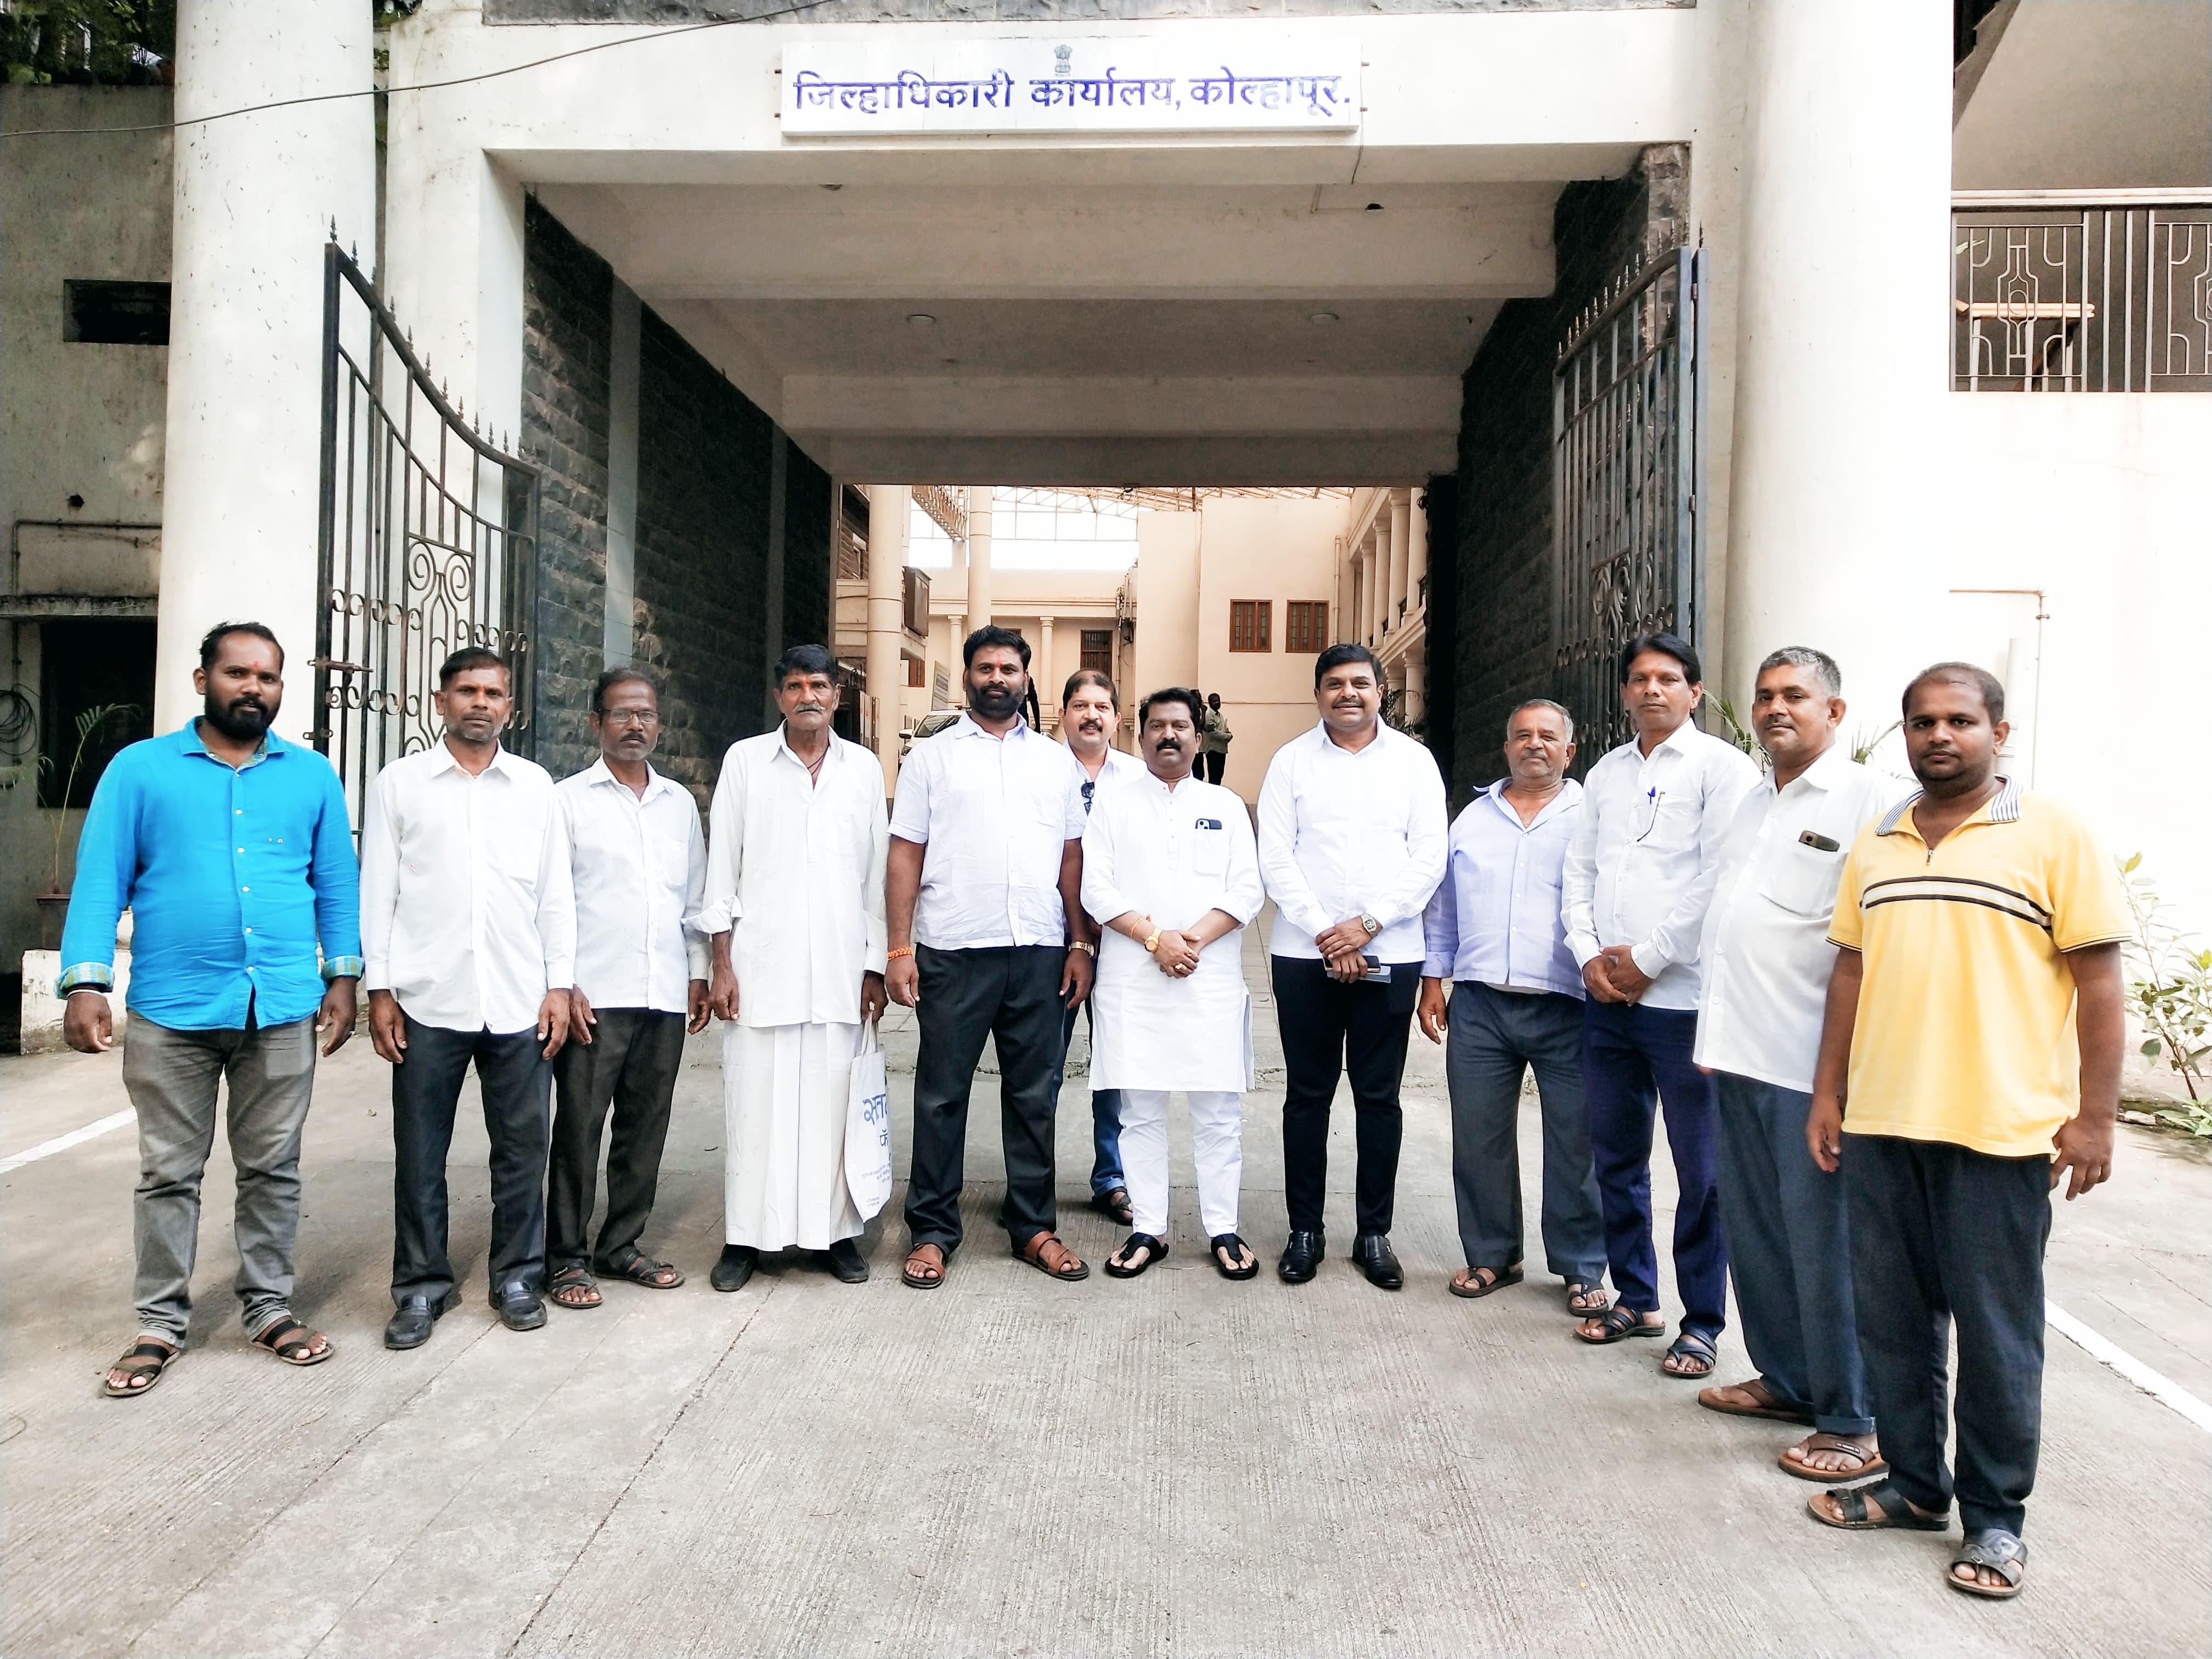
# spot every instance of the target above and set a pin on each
(1745, 952)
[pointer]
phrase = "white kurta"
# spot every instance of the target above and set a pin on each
(1171, 855)
(795, 875)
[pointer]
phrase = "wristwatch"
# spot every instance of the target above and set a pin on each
(1153, 939)
(1084, 946)
(1369, 922)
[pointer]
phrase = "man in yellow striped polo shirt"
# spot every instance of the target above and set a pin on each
(1975, 1016)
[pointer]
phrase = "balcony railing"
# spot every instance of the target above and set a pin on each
(2081, 291)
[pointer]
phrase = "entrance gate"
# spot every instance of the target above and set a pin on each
(428, 542)
(1626, 466)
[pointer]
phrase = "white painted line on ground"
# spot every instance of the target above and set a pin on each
(62, 1143)
(2160, 1387)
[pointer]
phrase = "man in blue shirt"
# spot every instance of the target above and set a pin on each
(1495, 938)
(231, 850)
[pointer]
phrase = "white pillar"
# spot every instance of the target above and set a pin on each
(1379, 570)
(1838, 525)
(254, 196)
(887, 513)
(1417, 546)
(1401, 511)
(1417, 682)
(1047, 683)
(979, 565)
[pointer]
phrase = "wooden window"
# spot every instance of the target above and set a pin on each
(915, 672)
(1098, 650)
(1305, 625)
(1251, 624)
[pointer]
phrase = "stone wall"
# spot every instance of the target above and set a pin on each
(705, 465)
(1503, 569)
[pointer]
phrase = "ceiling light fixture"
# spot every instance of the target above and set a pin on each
(921, 319)
(1323, 317)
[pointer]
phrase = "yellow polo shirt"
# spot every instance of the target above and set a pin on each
(1965, 1019)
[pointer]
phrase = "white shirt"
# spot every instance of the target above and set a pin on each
(994, 816)
(1172, 855)
(467, 911)
(1495, 920)
(638, 866)
(795, 876)
(1641, 870)
(1118, 768)
(1344, 833)
(1766, 954)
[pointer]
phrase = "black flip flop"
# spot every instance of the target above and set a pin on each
(1858, 1516)
(1999, 1550)
(286, 1338)
(146, 1359)
(1113, 1204)
(1235, 1246)
(1575, 1288)
(1618, 1324)
(574, 1279)
(1117, 1265)
(1501, 1278)
(1691, 1345)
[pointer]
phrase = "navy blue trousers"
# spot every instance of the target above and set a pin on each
(1635, 1062)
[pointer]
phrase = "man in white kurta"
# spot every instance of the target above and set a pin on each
(794, 909)
(1171, 873)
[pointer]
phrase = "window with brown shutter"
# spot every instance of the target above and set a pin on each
(1305, 625)
(1251, 624)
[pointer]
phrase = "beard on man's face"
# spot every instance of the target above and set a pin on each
(996, 699)
(240, 718)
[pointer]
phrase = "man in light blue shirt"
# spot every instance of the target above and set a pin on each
(232, 851)
(1494, 936)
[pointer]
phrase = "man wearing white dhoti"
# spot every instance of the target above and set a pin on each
(794, 911)
(1171, 872)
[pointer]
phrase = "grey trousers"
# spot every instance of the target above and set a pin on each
(1789, 1250)
(1495, 1038)
(172, 1077)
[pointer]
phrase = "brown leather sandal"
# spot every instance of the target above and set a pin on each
(1869, 1463)
(293, 1342)
(926, 1265)
(1054, 1260)
(1766, 1403)
(148, 1359)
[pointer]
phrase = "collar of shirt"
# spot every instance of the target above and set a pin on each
(1823, 775)
(599, 771)
(1320, 738)
(2003, 807)
(965, 727)
(502, 763)
(785, 752)
(1570, 792)
(188, 739)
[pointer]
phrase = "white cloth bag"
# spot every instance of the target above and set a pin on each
(868, 1128)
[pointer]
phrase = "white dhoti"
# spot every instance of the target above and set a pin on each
(1217, 1147)
(784, 1098)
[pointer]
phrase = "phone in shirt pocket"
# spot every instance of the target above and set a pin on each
(1802, 875)
(1209, 848)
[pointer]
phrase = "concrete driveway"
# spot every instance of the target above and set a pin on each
(1007, 1466)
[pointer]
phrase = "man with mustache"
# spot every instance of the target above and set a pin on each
(1090, 709)
(1352, 837)
(987, 939)
(794, 911)
(637, 860)
(1767, 960)
(469, 931)
(231, 849)
(1170, 870)
(1970, 1059)
(1636, 881)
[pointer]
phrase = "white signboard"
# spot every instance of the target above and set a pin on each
(1244, 82)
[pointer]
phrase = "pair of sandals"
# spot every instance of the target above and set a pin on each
(1585, 1297)
(1232, 1257)
(1880, 1506)
(150, 1358)
(1690, 1357)
(576, 1287)
(925, 1264)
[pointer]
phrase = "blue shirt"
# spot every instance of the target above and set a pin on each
(1495, 920)
(231, 877)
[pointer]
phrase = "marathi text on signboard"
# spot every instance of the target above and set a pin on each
(1240, 83)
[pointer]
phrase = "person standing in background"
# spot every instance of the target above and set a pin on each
(1214, 752)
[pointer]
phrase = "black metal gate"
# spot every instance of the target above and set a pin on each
(1629, 556)
(427, 542)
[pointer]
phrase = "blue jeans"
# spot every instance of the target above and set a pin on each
(1636, 1061)
(1105, 1111)
(1790, 1249)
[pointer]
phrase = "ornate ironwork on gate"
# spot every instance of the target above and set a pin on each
(428, 542)
(1628, 552)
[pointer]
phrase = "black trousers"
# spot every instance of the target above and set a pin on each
(629, 1066)
(1212, 763)
(516, 1083)
(1012, 995)
(1328, 1029)
(1945, 1238)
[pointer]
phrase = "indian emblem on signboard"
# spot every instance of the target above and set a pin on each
(1060, 55)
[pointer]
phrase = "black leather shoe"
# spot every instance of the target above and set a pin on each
(735, 1267)
(1301, 1256)
(847, 1262)
(1372, 1253)
(519, 1309)
(412, 1320)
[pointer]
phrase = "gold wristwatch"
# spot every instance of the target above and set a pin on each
(1153, 939)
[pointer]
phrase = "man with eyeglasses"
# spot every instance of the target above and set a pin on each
(639, 862)
(1639, 875)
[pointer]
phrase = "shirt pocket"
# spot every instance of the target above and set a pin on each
(1803, 880)
(1209, 851)
(517, 856)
